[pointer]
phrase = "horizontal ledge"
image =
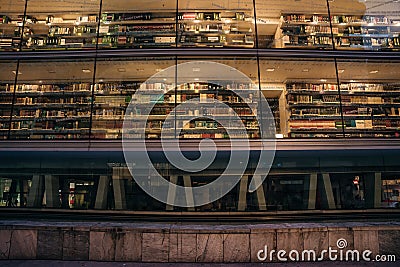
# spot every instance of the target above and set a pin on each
(192, 52)
(192, 145)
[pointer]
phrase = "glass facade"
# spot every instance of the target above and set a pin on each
(329, 70)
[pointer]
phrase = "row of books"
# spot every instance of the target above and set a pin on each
(378, 19)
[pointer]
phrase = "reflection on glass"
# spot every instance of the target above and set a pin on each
(7, 78)
(370, 98)
(366, 25)
(116, 85)
(52, 24)
(293, 24)
(52, 100)
(216, 24)
(11, 20)
(137, 24)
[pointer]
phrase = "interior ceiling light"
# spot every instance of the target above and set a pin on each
(86, 70)
(373, 71)
(306, 70)
(270, 69)
(196, 69)
(52, 71)
(323, 80)
(340, 71)
(121, 70)
(158, 70)
(15, 72)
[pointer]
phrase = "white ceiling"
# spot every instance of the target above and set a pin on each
(271, 70)
(265, 8)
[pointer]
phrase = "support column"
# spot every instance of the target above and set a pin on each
(52, 191)
(187, 182)
(262, 205)
(373, 190)
(23, 193)
(242, 203)
(311, 187)
(328, 190)
(35, 196)
(171, 192)
(378, 190)
(119, 188)
(102, 193)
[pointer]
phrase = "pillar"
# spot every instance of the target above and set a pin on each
(102, 193)
(242, 203)
(119, 188)
(52, 191)
(173, 179)
(35, 196)
(328, 191)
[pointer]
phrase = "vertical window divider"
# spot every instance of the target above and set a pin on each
(94, 72)
(260, 108)
(176, 62)
(17, 71)
(336, 69)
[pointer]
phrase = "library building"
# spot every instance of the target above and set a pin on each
(307, 91)
(87, 84)
(205, 111)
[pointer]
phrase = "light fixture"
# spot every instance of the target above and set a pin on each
(270, 69)
(323, 80)
(121, 70)
(373, 71)
(340, 71)
(196, 69)
(15, 72)
(305, 70)
(158, 70)
(52, 71)
(86, 71)
(196, 79)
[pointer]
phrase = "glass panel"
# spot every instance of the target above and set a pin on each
(137, 24)
(7, 78)
(370, 93)
(367, 25)
(219, 98)
(14, 190)
(293, 24)
(303, 96)
(221, 23)
(11, 17)
(53, 24)
(52, 100)
(116, 84)
(390, 190)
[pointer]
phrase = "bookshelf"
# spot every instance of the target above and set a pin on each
(126, 30)
(349, 31)
(216, 29)
(110, 102)
(369, 110)
(48, 111)
(200, 119)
